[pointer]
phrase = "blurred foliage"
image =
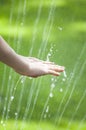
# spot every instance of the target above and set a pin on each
(65, 30)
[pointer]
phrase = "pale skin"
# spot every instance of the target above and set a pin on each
(27, 66)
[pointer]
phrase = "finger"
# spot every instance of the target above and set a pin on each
(57, 68)
(48, 62)
(53, 73)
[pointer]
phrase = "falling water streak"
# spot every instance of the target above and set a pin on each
(10, 73)
(43, 51)
(83, 96)
(50, 18)
(34, 33)
(43, 40)
(71, 79)
(25, 116)
(5, 104)
(20, 37)
(4, 77)
(47, 101)
(71, 92)
(28, 102)
(24, 11)
(19, 102)
(9, 104)
(81, 122)
(48, 98)
(38, 89)
(37, 92)
(16, 85)
(10, 21)
(5, 68)
(20, 99)
(16, 26)
(33, 39)
(36, 101)
(45, 105)
(35, 27)
(15, 40)
(22, 24)
(39, 11)
(46, 42)
(12, 95)
(45, 26)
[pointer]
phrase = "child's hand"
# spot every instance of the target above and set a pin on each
(33, 67)
(27, 66)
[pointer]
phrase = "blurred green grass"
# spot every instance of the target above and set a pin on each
(11, 124)
(68, 38)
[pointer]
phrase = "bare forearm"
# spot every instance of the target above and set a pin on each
(7, 54)
(26, 66)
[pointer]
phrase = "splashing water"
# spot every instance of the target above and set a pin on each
(50, 53)
(35, 85)
(47, 109)
(51, 95)
(12, 98)
(60, 28)
(64, 76)
(61, 90)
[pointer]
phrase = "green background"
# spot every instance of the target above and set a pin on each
(32, 28)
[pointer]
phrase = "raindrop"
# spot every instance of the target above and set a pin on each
(48, 56)
(22, 80)
(52, 85)
(61, 90)
(47, 109)
(8, 110)
(63, 79)
(51, 49)
(16, 113)
(12, 97)
(10, 77)
(65, 75)
(52, 79)
(60, 28)
(51, 95)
